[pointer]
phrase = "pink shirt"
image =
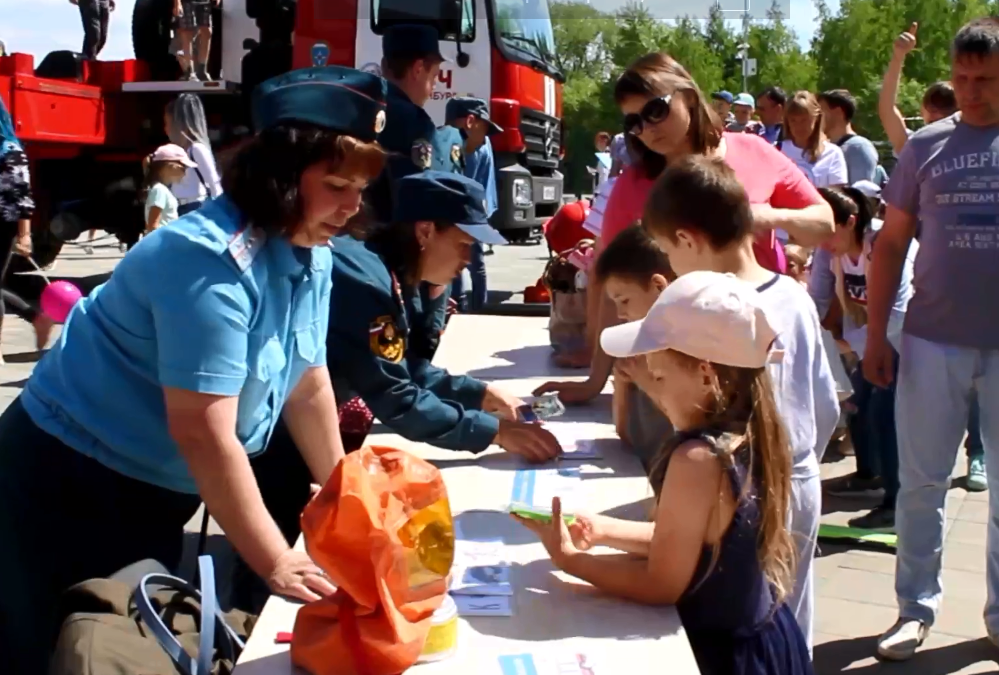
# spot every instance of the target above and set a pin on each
(768, 176)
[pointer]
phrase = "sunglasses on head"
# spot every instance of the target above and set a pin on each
(653, 112)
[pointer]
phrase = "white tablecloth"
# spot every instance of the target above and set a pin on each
(555, 615)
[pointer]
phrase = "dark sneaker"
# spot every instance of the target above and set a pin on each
(881, 519)
(853, 485)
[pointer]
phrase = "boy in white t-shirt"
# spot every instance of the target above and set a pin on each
(699, 214)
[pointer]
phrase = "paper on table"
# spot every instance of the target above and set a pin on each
(565, 663)
(574, 444)
(537, 487)
(480, 567)
(484, 605)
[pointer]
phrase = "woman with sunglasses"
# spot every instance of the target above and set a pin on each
(667, 118)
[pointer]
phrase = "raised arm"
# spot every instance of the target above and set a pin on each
(888, 112)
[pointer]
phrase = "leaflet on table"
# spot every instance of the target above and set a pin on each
(536, 487)
(567, 663)
(483, 605)
(480, 567)
(572, 437)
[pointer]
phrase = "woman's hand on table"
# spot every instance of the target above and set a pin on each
(530, 441)
(501, 403)
(296, 576)
(555, 535)
(571, 392)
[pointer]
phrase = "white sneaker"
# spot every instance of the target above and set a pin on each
(902, 640)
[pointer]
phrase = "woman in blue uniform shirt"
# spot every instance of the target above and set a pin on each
(169, 376)
(383, 323)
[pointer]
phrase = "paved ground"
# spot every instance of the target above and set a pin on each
(855, 587)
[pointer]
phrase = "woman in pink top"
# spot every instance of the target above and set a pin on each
(666, 117)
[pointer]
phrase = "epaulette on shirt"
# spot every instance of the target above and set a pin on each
(245, 245)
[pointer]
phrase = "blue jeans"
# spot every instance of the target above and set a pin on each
(872, 430)
(973, 444)
(477, 270)
(936, 384)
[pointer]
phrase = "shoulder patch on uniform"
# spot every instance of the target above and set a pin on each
(456, 153)
(385, 339)
(244, 247)
(380, 121)
(422, 153)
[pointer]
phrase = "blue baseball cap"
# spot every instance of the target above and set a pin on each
(411, 41)
(332, 97)
(443, 197)
(723, 96)
(463, 106)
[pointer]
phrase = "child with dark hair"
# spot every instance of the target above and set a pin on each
(872, 426)
(635, 271)
(699, 214)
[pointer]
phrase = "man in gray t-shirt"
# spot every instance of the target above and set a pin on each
(947, 177)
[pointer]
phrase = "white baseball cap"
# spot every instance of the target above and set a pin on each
(868, 188)
(710, 316)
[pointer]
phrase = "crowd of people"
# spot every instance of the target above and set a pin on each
(887, 337)
(741, 266)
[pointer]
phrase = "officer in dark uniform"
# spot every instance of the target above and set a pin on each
(383, 330)
(378, 323)
(411, 62)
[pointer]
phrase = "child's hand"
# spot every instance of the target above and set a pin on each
(570, 392)
(554, 535)
(586, 531)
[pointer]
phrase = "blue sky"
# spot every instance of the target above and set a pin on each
(40, 26)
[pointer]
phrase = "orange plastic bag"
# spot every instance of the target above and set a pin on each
(381, 528)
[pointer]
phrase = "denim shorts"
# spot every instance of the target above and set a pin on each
(197, 14)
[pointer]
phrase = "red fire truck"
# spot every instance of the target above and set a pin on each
(86, 125)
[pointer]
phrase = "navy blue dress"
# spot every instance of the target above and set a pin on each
(729, 615)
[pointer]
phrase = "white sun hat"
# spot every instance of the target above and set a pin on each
(710, 316)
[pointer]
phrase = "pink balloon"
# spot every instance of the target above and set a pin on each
(58, 299)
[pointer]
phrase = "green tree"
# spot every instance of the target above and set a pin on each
(582, 34)
(686, 43)
(724, 42)
(852, 48)
(779, 58)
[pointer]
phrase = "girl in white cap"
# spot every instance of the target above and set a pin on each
(164, 168)
(719, 548)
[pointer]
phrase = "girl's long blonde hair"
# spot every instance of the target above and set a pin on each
(743, 405)
(805, 103)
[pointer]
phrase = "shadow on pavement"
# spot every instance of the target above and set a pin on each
(840, 656)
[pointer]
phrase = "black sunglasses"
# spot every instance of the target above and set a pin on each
(653, 112)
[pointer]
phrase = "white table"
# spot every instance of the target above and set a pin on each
(554, 613)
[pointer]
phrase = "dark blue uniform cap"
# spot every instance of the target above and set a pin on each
(444, 197)
(332, 97)
(463, 106)
(412, 41)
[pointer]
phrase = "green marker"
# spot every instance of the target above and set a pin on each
(539, 514)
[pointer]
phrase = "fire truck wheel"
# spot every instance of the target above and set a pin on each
(151, 20)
